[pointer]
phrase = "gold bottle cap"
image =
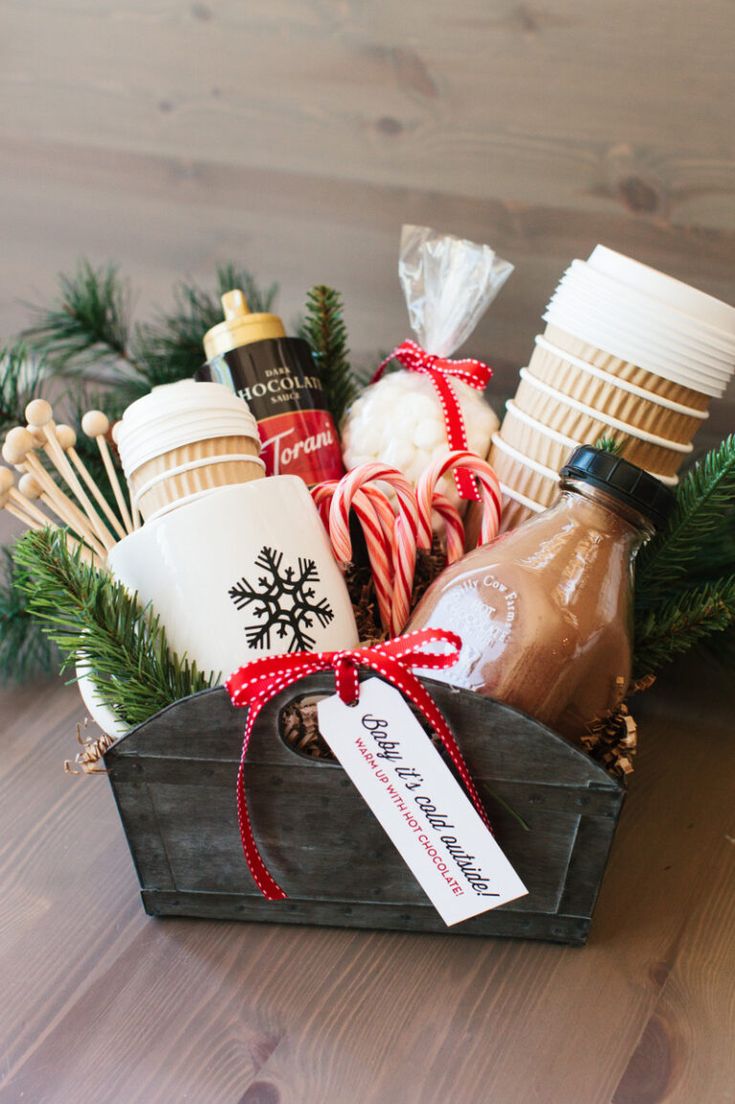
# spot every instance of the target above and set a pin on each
(240, 327)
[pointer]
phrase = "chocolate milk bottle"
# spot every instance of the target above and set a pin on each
(545, 611)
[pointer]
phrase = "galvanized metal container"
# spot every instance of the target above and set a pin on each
(174, 782)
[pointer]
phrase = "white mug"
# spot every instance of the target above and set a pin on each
(244, 572)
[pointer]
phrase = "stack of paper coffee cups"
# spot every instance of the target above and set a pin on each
(629, 354)
(185, 440)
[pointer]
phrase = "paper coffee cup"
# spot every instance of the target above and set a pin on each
(243, 572)
(626, 370)
(572, 419)
(522, 475)
(538, 443)
(184, 440)
(651, 349)
(599, 389)
(535, 440)
(184, 473)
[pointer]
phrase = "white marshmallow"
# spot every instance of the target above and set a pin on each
(400, 421)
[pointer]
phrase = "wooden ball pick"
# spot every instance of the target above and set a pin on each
(21, 501)
(40, 414)
(31, 490)
(7, 503)
(67, 439)
(18, 450)
(96, 424)
(28, 488)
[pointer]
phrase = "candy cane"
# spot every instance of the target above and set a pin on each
(379, 541)
(453, 526)
(384, 511)
(377, 518)
(490, 493)
(322, 494)
(405, 530)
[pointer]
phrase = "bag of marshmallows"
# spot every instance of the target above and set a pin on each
(401, 420)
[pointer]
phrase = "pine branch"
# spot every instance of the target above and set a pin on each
(25, 651)
(88, 322)
(21, 379)
(324, 328)
(683, 621)
(703, 515)
(609, 444)
(230, 276)
(717, 555)
(95, 622)
(170, 348)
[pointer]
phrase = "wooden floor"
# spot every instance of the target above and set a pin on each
(101, 1003)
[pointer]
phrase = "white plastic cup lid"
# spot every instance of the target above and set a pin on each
(664, 288)
(612, 292)
(651, 335)
(177, 414)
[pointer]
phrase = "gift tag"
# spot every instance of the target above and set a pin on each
(419, 803)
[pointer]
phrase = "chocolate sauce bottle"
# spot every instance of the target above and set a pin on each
(275, 375)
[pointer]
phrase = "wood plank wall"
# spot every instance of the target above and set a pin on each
(297, 135)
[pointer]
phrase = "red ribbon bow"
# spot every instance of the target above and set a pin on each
(255, 684)
(441, 371)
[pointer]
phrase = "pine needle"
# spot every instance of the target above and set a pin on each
(324, 328)
(682, 622)
(21, 379)
(25, 651)
(88, 322)
(702, 516)
(97, 624)
(609, 444)
(170, 347)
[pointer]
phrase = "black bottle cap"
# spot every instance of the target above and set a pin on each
(621, 479)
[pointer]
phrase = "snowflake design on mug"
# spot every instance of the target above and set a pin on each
(282, 601)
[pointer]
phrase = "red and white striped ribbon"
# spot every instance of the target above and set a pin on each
(255, 684)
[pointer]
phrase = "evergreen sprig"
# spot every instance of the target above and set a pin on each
(681, 622)
(703, 514)
(89, 321)
(324, 328)
(608, 444)
(170, 348)
(717, 556)
(25, 651)
(21, 380)
(99, 626)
